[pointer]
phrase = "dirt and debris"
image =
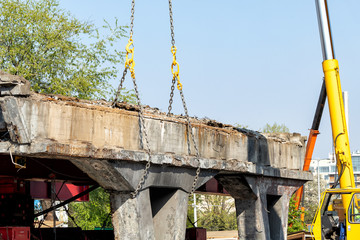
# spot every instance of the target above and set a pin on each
(8, 79)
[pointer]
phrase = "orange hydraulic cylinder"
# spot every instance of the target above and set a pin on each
(308, 155)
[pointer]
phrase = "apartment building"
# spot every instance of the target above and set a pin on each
(327, 169)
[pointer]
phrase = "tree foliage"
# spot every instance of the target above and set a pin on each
(310, 202)
(238, 125)
(275, 128)
(311, 198)
(44, 44)
(215, 212)
(294, 221)
(95, 213)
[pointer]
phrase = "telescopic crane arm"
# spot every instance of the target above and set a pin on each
(335, 101)
(323, 226)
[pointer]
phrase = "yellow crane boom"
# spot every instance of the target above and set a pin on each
(337, 216)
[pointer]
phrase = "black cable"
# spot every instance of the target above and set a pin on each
(342, 164)
(66, 210)
(192, 223)
(338, 179)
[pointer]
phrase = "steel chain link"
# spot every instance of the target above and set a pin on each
(172, 45)
(147, 146)
(118, 92)
(171, 24)
(132, 17)
(143, 129)
(171, 96)
(176, 78)
(193, 140)
(129, 64)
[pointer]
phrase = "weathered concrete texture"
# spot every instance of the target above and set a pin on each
(132, 218)
(262, 204)
(66, 127)
(11, 85)
(260, 171)
(165, 193)
(153, 214)
(124, 176)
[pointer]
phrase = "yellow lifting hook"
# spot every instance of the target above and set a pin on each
(129, 62)
(175, 64)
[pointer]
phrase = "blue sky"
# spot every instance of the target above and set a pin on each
(246, 62)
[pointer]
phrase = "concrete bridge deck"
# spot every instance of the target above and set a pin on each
(260, 171)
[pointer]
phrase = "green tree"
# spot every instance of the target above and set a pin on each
(275, 128)
(190, 213)
(215, 212)
(311, 197)
(218, 213)
(294, 221)
(238, 125)
(94, 213)
(44, 44)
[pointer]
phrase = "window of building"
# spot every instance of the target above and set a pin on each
(356, 163)
(311, 169)
(333, 168)
(324, 169)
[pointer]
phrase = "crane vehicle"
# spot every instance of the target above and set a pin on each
(338, 214)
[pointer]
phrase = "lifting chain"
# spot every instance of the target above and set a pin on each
(176, 78)
(174, 58)
(130, 64)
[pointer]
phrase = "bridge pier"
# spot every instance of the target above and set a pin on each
(262, 204)
(156, 213)
(159, 210)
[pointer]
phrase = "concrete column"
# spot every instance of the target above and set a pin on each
(132, 218)
(278, 216)
(169, 209)
(252, 218)
(156, 213)
(262, 204)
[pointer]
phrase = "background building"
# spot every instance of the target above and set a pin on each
(327, 170)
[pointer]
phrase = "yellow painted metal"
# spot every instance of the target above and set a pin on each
(129, 60)
(338, 125)
(316, 225)
(342, 150)
(352, 229)
(175, 72)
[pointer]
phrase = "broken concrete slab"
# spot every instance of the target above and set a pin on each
(12, 85)
(106, 144)
(85, 129)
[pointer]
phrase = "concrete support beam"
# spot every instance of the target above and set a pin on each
(156, 213)
(160, 208)
(261, 203)
(132, 218)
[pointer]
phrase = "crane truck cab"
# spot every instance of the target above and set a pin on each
(334, 222)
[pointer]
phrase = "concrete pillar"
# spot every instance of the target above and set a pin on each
(262, 204)
(159, 210)
(169, 209)
(278, 207)
(132, 218)
(251, 215)
(156, 213)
